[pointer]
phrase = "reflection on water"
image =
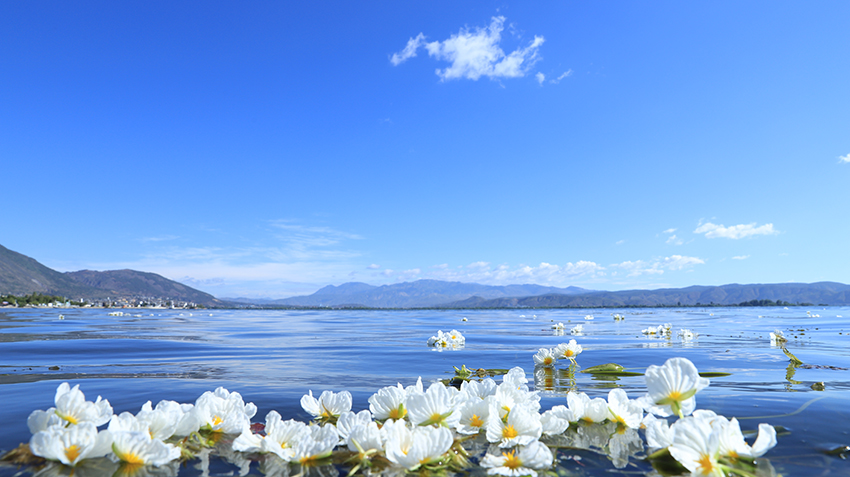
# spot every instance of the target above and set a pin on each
(274, 357)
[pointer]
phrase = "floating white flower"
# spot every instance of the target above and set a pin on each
(585, 409)
(138, 448)
(364, 438)
(777, 338)
(558, 326)
(687, 335)
(525, 460)
(521, 427)
(474, 415)
(556, 420)
(588, 317)
(696, 447)
(389, 403)
(731, 441)
(72, 444)
(671, 388)
(544, 357)
(164, 420)
(568, 350)
(577, 330)
(349, 420)
(223, 411)
(622, 410)
(477, 390)
(451, 340)
(618, 317)
(71, 407)
(315, 445)
(329, 405)
(436, 407)
(660, 330)
(420, 446)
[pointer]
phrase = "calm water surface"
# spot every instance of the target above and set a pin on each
(274, 357)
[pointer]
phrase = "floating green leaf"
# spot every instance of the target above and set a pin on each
(714, 374)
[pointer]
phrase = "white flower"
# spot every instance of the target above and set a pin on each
(477, 390)
(316, 445)
(577, 330)
(585, 409)
(329, 405)
(453, 340)
(280, 439)
(731, 440)
(137, 447)
(544, 357)
(525, 460)
(436, 406)
(558, 326)
(72, 444)
(623, 411)
(568, 350)
(474, 415)
(223, 411)
(777, 338)
(588, 317)
(556, 420)
(671, 388)
(163, 421)
(72, 407)
(421, 446)
(687, 335)
(696, 447)
(349, 420)
(389, 403)
(522, 427)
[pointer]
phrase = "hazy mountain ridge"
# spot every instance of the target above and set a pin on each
(830, 293)
(417, 294)
(22, 275)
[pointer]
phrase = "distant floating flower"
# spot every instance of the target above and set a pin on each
(544, 357)
(568, 350)
(687, 335)
(524, 460)
(618, 317)
(451, 340)
(558, 326)
(660, 330)
(577, 330)
(588, 317)
(671, 388)
(777, 338)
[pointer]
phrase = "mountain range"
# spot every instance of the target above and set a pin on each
(22, 275)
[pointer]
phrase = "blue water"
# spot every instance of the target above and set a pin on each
(274, 357)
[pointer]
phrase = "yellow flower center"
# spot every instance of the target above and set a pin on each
(216, 420)
(398, 413)
(436, 418)
(508, 432)
(705, 464)
(568, 353)
(675, 396)
(131, 458)
(72, 452)
(309, 460)
(511, 460)
(67, 417)
(547, 360)
(476, 421)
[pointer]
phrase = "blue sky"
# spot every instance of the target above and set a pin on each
(266, 149)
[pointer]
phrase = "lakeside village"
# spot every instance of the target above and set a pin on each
(37, 300)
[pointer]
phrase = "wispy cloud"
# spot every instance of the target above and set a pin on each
(658, 266)
(736, 231)
(545, 273)
(740, 257)
(565, 74)
(161, 238)
(845, 159)
(373, 266)
(475, 53)
(673, 240)
(669, 231)
(540, 77)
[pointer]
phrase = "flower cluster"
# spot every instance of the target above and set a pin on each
(451, 340)
(660, 330)
(549, 356)
(413, 428)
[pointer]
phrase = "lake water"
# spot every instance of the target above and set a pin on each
(273, 357)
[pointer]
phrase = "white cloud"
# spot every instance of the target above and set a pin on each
(736, 231)
(475, 53)
(740, 257)
(544, 274)
(409, 51)
(162, 238)
(669, 231)
(540, 77)
(565, 74)
(845, 159)
(619, 242)
(673, 240)
(657, 267)
(374, 266)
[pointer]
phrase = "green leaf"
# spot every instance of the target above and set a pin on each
(714, 374)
